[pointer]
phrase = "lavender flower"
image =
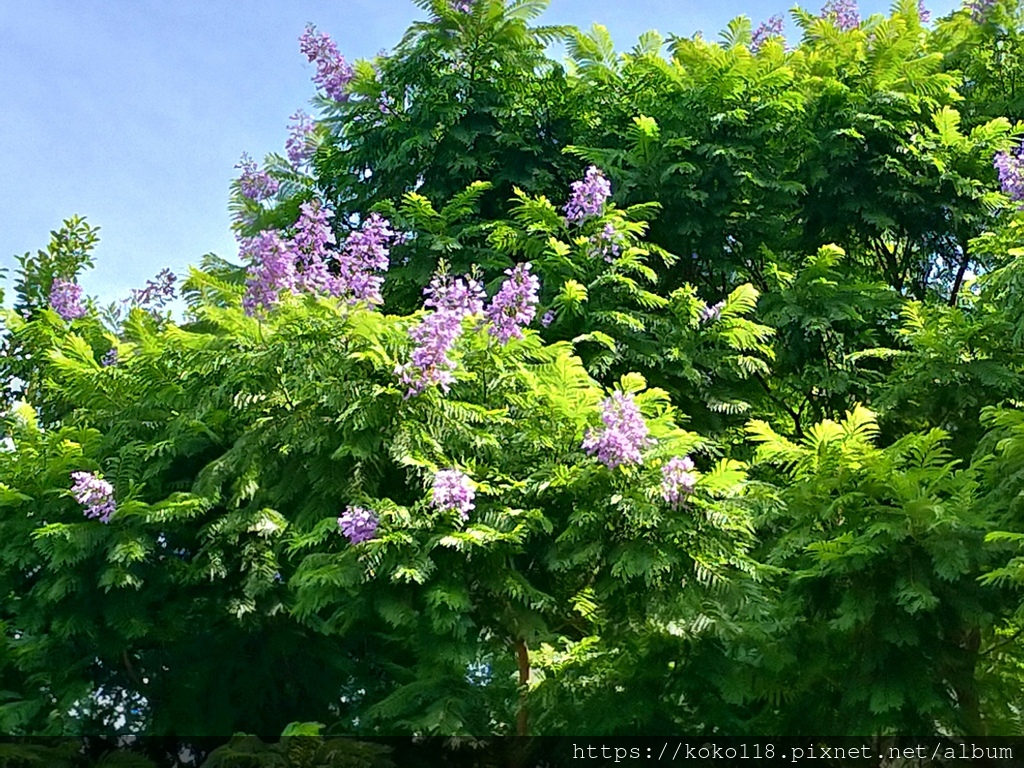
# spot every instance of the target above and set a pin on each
(435, 337)
(358, 524)
(299, 145)
(365, 255)
(548, 319)
(157, 293)
(463, 6)
(66, 299)
(923, 13)
(606, 244)
(333, 74)
(96, 495)
(1010, 167)
(588, 196)
(515, 304)
(254, 183)
(677, 479)
(453, 491)
(843, 14)
(712, 313)
(110, 358)
(624, 434)
(765, 30)
(271, 271)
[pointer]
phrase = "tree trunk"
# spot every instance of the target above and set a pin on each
(523, 660)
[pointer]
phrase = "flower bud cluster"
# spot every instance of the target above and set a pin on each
(255, 184)
(66, 299)
(624, 435)
(588, 196)
(515, 304)
(299, 144)
(843, 13)
(333, 73)
(1010, 167)
(358, 524)
(711, 313)
(434, 338)
(453, 491)
(766, 30)
(677, 479)
(96, 495)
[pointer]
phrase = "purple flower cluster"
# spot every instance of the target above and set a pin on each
(157, 293)
(97, 496)
(548, 319)
(358, 524)
(463, 6)
(66, 299)
(711, 313)
(677, 479)
(364, 257)
(515, 304)
(310, 247)
(1010, 167)
(333, 73)
(435, 337)
(453, 491)
(607, 243)
(979, 9)
(299, 145)
(923, 13)
(765, 30)
(843, 14)
(110, 358)
(271, 271)
(254, 183)
(624, 434)
(588, 196)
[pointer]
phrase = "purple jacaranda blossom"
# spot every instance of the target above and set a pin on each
(300, 145)
(843, 13)
(770, 28)
(157, 293)
(435, 336)
(607, 243)
(624, 435)
(677, 479)
(311, 248)
(96, 495)
(255, 184)
(711, 313)
(453, 491)
(364, 258)
(271, 271)
(358, 524)
(923, 13)
(66, 299)
(463, 6)
(1010, 167)
(514, 305)
(110, 358)
(548, 318)
(588, 196)
(979, 9)
(333, 73)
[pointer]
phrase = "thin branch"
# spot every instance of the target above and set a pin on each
(1001, 643)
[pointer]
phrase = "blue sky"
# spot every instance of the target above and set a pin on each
(133, 113)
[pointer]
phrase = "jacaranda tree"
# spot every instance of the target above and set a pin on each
(661, 391)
